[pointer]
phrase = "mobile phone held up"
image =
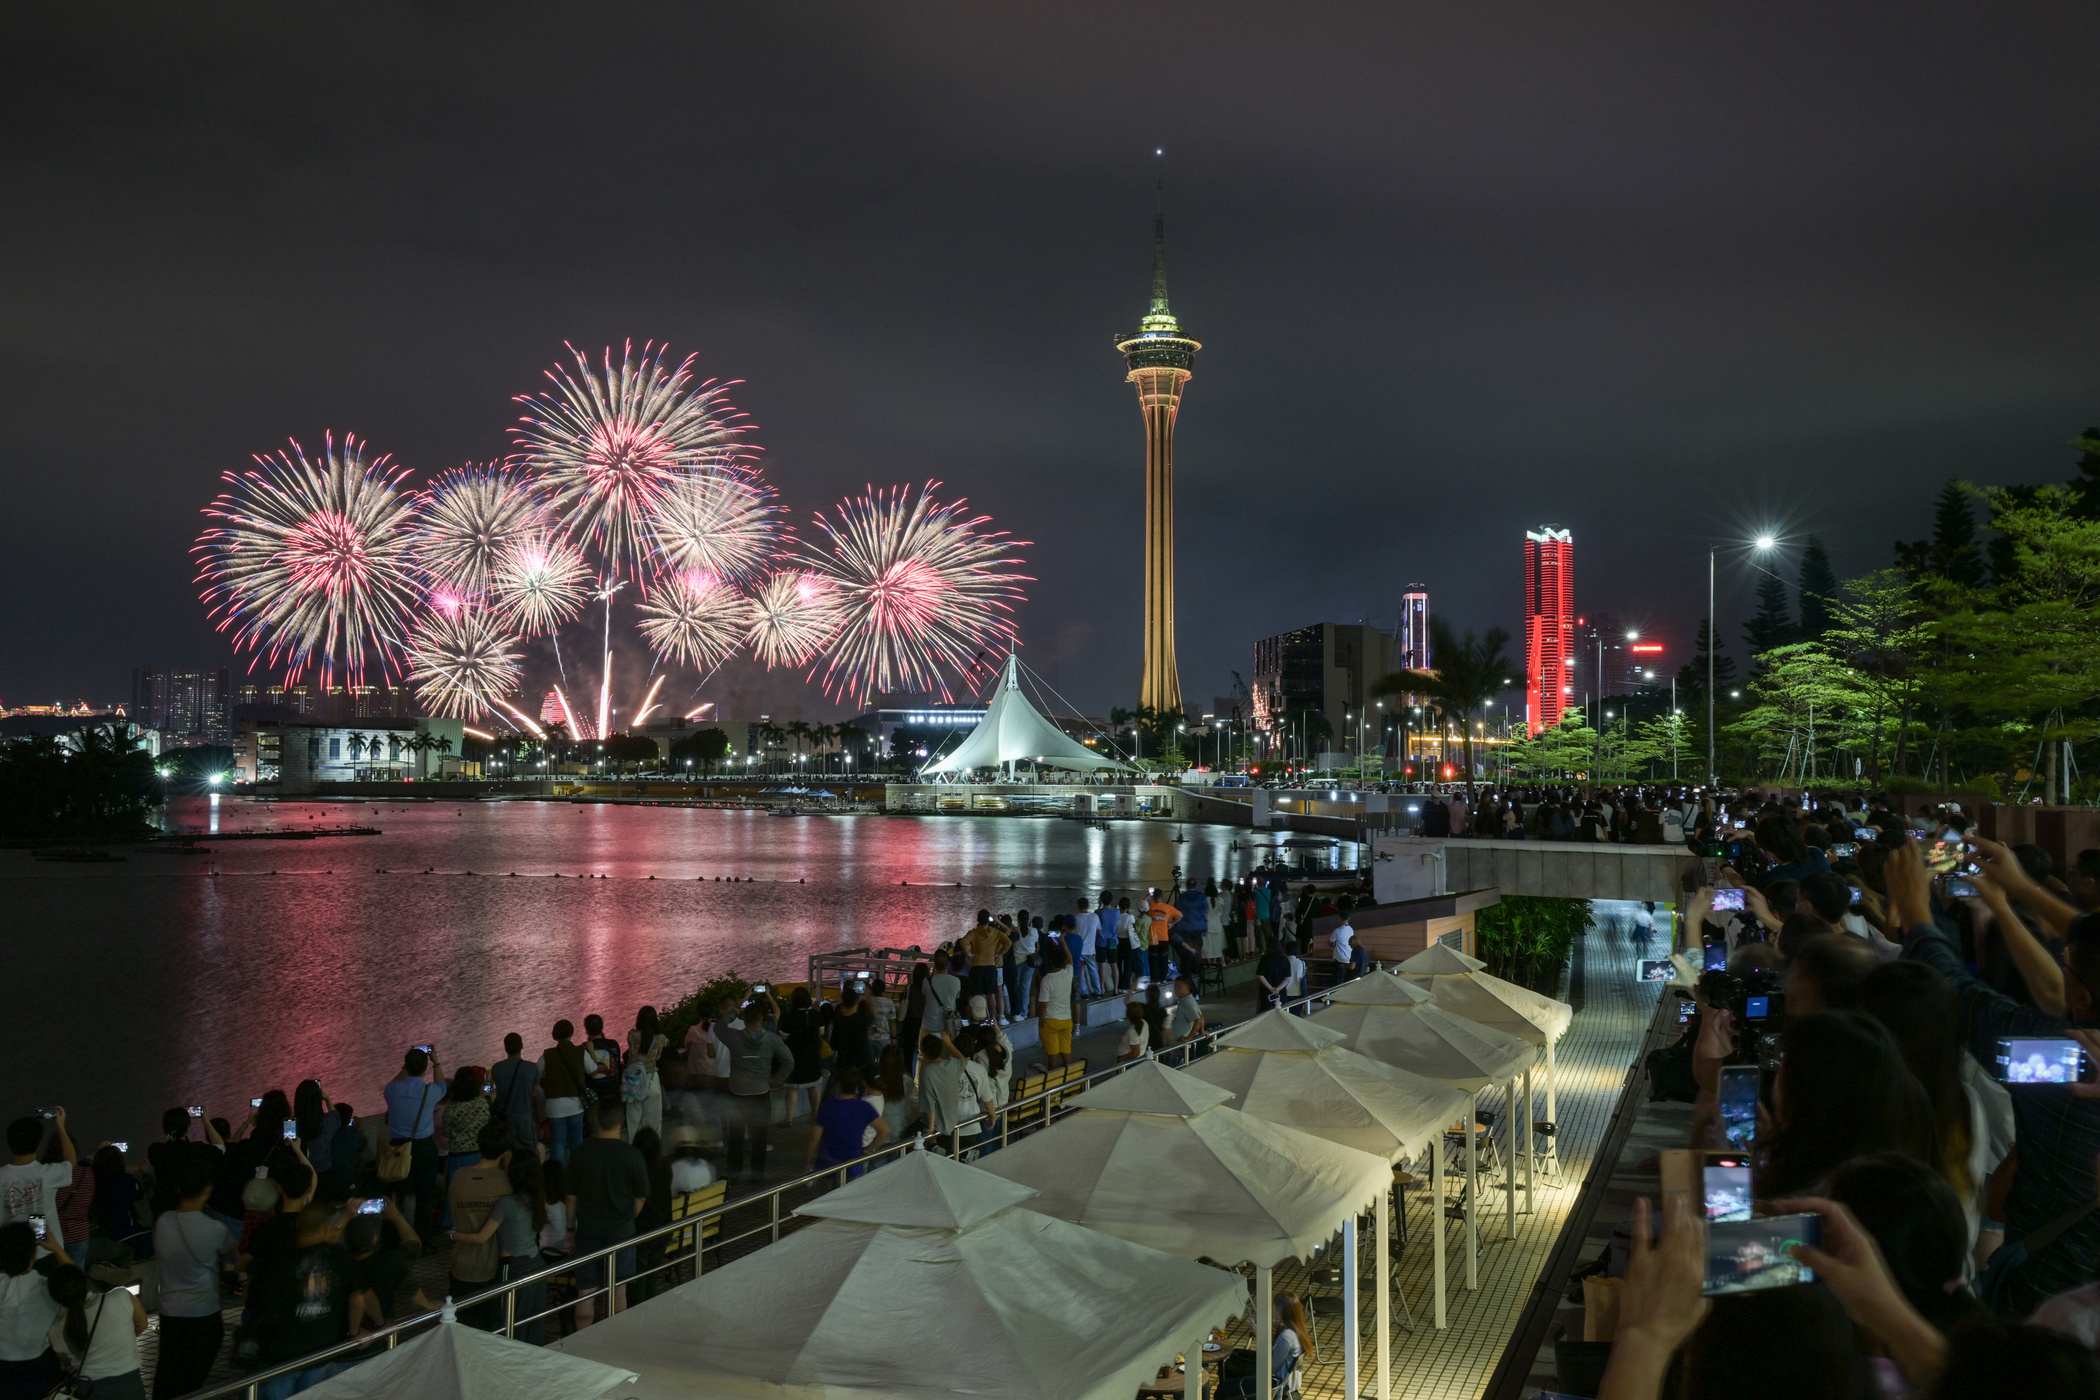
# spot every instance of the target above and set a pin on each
(291, 1130)
(2051, 1060)
(1739, 1105)
(1656, 969)
(1942, 857)
(1956, 889)
(375, 1206)
(1725, 1180)
(196, 1110)
(1743, 1256)
(1841, 849)
(1716, 957)
(1728, 901)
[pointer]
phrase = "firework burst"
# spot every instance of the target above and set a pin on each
(311, 566)
(466, 520)
(921, 592)
(607, 447)
(793, 615)
(461, 665)
(693, 618)
(538, 583)
(718, 523)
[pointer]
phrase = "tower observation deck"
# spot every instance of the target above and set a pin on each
(1159, 358)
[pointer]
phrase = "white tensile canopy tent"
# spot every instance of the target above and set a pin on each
(923, 1280)
(457, 1362)
(1286, 1069)
(1397, 1023)
(1463, 987)
(1014, 731)
(1155, 1157)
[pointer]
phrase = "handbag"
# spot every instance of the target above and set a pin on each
(396, 1156)
(1994, 1284)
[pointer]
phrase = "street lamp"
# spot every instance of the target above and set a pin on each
(1713, 641)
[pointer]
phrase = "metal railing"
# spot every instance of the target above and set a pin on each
(1042, 1109)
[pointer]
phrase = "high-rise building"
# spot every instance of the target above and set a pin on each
(1326, 669)
(1549, 624)
(1160, 359)
(1414, 628)
(189, 706)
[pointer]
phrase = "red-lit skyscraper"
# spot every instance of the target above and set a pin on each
(1549, 624)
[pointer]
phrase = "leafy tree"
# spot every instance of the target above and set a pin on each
(1527, 938)
(1818, 588)
(99, 781)
(1568, 750)
(705, 747)
(1772, 625)
(631, 750)
(2087, 482)
(1879, 629)
(1470, 671)
(1952, 553)
(1805, 699)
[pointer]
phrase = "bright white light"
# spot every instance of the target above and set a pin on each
(1633, 636)
(1766, 541)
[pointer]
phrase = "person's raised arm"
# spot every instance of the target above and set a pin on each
(2043, 975)
(1851, 1265)
(1661, 1302)
(2005, 869)
(211, 1134)
(65, 1139)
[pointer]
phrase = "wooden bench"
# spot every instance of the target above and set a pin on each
(1024, 1088)
(699, 1203)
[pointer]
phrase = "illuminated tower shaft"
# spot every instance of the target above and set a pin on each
(1160, 359)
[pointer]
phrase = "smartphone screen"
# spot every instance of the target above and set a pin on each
(255, 1103)
(1745, 1255)
(1655, 969)
(1857, 895)
(1740, 825)
(1941, 857)
(2056, 1060)
(1956, 889)
(1727, 1187)
(36, 1224)
(291, 1130)
(1739, 1104)
(121, 1146)
(1840, 849)
(1727, 901)
(1716, 959)
(196, 1110)
(375, 1206)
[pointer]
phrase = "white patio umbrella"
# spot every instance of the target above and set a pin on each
(1462, 987)
(456, 1362)
(1285, 1069)
(1155, 1157)
(1396, 1023)
(922, 1280)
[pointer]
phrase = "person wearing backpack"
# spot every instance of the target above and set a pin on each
(563, 1079)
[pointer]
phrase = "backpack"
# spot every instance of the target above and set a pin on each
(634, 1081)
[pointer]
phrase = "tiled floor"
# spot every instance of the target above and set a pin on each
(1593, 1058)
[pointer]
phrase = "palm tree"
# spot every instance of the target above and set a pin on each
(421, 744)
(357, 748)
(1470, 671)
(770, 734)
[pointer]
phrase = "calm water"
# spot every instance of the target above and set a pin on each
(151, 983)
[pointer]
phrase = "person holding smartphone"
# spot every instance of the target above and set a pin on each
(412, 1099)
(29, 1186)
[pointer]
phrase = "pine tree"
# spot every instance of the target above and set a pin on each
(1691, 677)
(1773, 624)
(1952, 553)
(2087, 482)
(1818, 587)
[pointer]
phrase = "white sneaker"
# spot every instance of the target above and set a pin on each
(1005, 1021)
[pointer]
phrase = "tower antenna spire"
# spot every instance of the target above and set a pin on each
(1159, 250)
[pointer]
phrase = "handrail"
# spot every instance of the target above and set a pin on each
(1054, 1106)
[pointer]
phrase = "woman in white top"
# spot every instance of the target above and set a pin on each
(1137, 1034)
(98, 1336)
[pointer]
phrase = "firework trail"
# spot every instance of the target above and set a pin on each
(719, 523)
(694, 619)
(920, 592)
(608, 447)
(312, 566)
(467, 521)
(461, 665)
(793, 615)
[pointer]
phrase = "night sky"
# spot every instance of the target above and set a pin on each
(1665, 274)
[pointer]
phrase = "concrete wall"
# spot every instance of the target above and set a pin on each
(1569, 869)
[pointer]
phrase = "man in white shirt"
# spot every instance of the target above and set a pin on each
(960, 1100)
(1086, 931)
(1344, 951)
(29, 1187)
(1053, 1005)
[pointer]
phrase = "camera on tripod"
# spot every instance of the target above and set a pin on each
(1757, 1002)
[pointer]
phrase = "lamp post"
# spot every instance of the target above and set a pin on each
(1713, 641)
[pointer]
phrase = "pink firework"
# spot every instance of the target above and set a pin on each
(311, 566)
(606, 448)
(717, 522)
(465, 521)
(922, 593)
(793, 615)
(694, 619)
(538, 583)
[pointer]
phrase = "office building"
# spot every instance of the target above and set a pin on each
(1549, 625)
(1328, 669)
(1414, 628)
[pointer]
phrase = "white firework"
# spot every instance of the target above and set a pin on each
(461, 664)
(693, 618)
(607, 446)
(538, 583)
(718, 523)
(468, 517)
(793, 615)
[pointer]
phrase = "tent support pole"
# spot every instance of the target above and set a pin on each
(1443, 1224)
(1552, 1080)
(1530, 1141)
(1192, 1368)
(1352, 1334)
(1264, 1344)
(1509, 1160)
(1472, 1194)
(1384, 1261)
